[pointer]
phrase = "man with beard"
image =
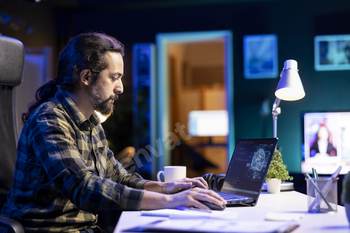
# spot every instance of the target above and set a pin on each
(65, 173)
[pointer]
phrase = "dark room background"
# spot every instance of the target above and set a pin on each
(295, 22)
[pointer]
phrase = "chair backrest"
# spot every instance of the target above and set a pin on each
(11, 75)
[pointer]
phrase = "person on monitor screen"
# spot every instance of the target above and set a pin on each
(322, 145)
(65, 173)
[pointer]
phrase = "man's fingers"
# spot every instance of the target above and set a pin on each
(195, 182)
(200, 182)
(207, 195)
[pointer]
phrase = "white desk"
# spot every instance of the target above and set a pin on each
(285, 202)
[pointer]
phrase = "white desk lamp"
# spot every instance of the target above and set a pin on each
(289, 88)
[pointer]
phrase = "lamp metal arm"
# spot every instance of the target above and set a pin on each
(276, 110)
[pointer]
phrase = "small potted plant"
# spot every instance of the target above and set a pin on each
(277, 173)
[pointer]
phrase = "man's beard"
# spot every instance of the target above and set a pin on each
(105, 107)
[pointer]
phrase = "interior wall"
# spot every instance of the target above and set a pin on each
(295, 27)
(41, 18)
(205, 54)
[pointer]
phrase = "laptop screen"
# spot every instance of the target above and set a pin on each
(249, 163)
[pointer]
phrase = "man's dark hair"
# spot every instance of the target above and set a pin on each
(84, 51)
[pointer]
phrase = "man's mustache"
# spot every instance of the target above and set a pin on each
(115, 97)
(112, 97)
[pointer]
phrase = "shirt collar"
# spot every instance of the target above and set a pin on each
(74, 111)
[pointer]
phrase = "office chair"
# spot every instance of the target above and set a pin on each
(11, 75)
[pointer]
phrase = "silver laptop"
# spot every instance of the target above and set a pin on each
(247, 169)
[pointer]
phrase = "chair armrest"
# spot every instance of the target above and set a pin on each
(11, 224)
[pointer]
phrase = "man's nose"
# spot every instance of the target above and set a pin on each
(119, 89)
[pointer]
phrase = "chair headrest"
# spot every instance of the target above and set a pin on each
(11, 61)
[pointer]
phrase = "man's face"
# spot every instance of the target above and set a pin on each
(108, 84)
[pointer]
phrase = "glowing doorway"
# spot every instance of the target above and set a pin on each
(160, 92)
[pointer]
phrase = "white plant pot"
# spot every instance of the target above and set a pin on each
(273, 185)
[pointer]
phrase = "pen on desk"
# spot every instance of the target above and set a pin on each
(184, 208)
(289, 228)
(316, 194)
(314, 173)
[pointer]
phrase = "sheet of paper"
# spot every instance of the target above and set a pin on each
(271, 216)
(173, 213)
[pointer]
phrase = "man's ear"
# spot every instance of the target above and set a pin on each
(86, 77)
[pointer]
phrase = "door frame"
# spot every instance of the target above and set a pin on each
(160, 122)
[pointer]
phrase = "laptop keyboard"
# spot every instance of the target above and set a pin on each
(230, 196)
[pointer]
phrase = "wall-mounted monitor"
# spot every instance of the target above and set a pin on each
(208, 123)
(326, 142)
(332, 52)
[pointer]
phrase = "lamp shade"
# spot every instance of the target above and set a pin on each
(290, 87)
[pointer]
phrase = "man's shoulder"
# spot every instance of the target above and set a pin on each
(52, 105)
(49, 108)
(46, 116)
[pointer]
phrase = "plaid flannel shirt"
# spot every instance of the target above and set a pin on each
(65, 173)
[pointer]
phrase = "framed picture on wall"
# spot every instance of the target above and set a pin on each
(332, 52)
(260, 56)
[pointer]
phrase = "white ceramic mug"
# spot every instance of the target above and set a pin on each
(172, 173)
